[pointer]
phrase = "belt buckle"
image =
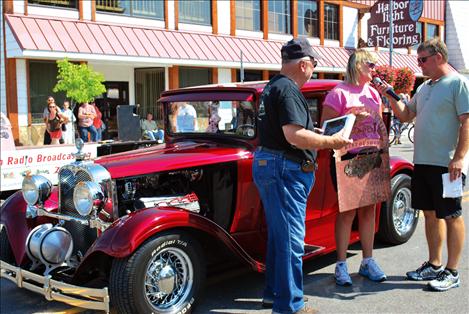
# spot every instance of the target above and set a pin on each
(309, 166)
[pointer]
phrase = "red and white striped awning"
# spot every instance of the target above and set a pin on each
(54, 38)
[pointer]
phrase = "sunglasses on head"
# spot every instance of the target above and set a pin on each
(422, 60)
(371, 65)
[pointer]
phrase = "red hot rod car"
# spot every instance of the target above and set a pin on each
(139, 230)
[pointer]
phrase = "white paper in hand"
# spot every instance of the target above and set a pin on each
(451, 189)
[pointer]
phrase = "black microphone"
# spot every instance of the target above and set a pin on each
(389, 90)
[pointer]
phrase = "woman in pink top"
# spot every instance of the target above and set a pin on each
(356, 92)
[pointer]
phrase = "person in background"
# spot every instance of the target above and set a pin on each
(97, 122)
(45, 115)
(186, 119)
(86, 115)
(69, 134)
(150, 129)
(283, 172)
(54, 121)
(213, 117)
(355, 92)
(441, 109)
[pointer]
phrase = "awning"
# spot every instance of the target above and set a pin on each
(54, 38)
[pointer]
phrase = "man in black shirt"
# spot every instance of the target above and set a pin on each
(283, 171)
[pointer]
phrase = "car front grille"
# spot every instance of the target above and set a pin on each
(83, 236)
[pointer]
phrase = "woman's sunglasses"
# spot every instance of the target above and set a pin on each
(371, 65)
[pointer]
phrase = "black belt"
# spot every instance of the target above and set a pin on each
(306, 164)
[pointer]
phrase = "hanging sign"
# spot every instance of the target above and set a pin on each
(405, 14)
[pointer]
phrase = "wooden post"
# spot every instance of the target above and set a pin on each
(265, 18)
(173, 77)
(232, 18)
(214, 17)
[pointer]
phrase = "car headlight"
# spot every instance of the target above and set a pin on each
(86, 196)
(36, 189)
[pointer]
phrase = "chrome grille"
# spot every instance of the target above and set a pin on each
(68, 179)
(82, 235)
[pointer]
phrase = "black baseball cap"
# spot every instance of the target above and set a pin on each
(298, 48)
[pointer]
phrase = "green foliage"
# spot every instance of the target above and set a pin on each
(79, 81)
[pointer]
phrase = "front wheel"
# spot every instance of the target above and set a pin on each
(398, 220)
(411, 133)
(164, 275)
(6, 254)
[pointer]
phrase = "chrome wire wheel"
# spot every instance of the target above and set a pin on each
(168, 280)
(403, 214)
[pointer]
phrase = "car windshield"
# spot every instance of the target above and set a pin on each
(227, 117)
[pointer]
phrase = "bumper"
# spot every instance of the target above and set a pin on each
(53, 290)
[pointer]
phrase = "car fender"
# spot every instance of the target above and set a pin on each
(125, 235)
(400, 165)
(18, 227)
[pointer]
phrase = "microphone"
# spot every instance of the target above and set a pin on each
(389, 90)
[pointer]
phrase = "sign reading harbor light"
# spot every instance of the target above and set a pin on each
(399, 27)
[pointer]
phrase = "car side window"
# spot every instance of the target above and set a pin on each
(313, 107)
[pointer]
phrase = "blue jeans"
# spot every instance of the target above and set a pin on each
(84, 133)
(284, 190)
(155, 135)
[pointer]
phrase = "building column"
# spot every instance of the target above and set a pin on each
(173, 77)
(233, 75)
(265, 75)
(321, 23)
(232, 18)
(12, 96)
(214, 75)
(214, 17)
(265, 18)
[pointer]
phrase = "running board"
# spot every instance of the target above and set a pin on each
(313, 249)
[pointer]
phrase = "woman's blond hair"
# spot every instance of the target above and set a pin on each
(357, 59)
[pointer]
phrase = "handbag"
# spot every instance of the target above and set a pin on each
(64, 127)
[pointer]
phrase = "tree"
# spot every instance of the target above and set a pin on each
(80, 83)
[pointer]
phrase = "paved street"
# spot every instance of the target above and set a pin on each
(240, 292)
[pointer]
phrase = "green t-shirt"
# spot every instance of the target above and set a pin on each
(438, 106)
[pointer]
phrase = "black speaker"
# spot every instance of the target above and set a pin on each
(128, 124)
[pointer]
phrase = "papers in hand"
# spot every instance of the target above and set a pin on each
(342, 123)
(451, 189)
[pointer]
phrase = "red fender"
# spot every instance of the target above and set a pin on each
(18, 227)
(125, 235)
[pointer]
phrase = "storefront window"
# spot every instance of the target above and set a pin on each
(42, 79)
(432, 31)
(149, 83)
(308, 22)
(249, 76)
(279, 16)
(56, 3)
(418, 30)
(195, 12)
(143, 8)
(194, 76)
(248, 15)
(331, 21)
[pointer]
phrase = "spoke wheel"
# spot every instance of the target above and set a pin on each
(164, 275)
(168, 280)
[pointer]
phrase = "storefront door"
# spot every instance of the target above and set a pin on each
(117, 93)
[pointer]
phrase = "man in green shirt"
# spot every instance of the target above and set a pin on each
(441, 108)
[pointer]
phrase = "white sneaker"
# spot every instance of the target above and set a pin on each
(445, 281)
(342, 277)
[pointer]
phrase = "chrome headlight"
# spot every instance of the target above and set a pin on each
(36, 189)
(86, 196)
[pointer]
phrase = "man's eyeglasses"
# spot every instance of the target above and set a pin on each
(422, 60)
(313, 62)
(370, 65)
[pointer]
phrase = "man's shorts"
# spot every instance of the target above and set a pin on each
(427, 191)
